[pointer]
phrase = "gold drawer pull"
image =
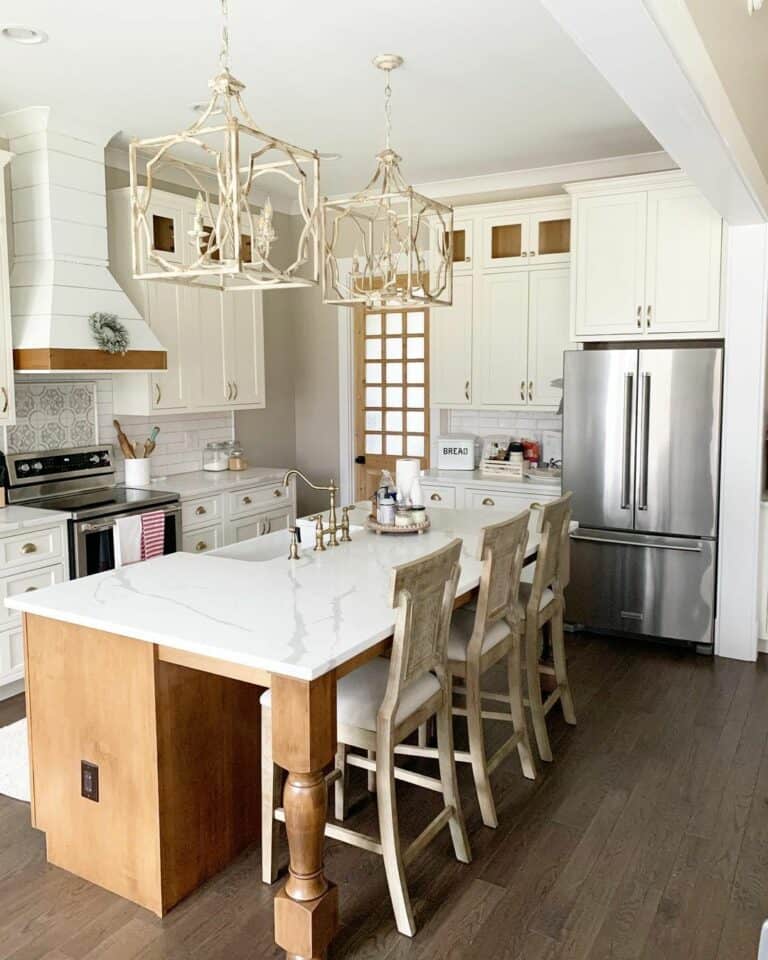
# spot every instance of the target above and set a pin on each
(29, 548)
(488, 502)
(200, 510)
(277, 493)
(30, 589)
(247, 500)
(436, 496)
(201, 545)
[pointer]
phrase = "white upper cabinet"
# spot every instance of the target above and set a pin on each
(502, 371)
(7, 408)
(682, 272)
(501, 343)
(647, 260)
(610, 265)
(450, 348)
(548, 334)
(215, 343)
(164, 306)
(243, 348)
(506, 240)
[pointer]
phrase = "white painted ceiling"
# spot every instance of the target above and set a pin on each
(487, 87)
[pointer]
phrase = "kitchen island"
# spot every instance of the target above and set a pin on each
(151, 675)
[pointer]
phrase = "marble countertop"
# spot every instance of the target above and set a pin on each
(475, 477)
(300, 618)
(19, 518)
(201, 482)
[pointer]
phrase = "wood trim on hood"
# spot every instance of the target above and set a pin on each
(61, 358)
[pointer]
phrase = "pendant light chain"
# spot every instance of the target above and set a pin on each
(224, 52)
(387, 109)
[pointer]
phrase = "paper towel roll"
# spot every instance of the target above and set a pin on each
(406, 472)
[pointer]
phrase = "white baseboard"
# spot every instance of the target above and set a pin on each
(8, 690)
(762, 644)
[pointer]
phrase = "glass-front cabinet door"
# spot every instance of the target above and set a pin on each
(462, 246)
(506, 241)
(550, 237)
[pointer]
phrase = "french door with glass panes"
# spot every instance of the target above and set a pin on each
(391, 393)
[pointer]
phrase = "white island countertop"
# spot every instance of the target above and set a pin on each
(298, 618)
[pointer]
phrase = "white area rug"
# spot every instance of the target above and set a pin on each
(14, 761)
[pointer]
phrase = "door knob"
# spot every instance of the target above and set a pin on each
(360, 460)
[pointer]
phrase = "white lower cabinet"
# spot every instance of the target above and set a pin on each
(472, 493)
(216, 520)
(30, 559)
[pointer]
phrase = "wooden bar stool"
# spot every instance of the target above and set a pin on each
(481, 636)
(378, 706)
(542, 598)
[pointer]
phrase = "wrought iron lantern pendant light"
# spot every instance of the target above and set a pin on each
(228, 242)
(397, 242)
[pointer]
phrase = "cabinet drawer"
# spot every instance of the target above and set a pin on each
(24, 582)
(439, 496)
(512, 502)
(201, 512)
(11, 654)
(31, 548)
(203, 539)
(251, 500)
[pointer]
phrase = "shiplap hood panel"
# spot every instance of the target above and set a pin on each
(60, 273)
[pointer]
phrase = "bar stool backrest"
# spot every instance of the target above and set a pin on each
(552, 562)
(502, 549)
(423, 592)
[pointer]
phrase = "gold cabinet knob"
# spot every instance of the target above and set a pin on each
(5, 400)
(29, 548)
(30, 589)
(200, 510)
(200, 546)
(158, 393)
(436, 497)
(277, 493)
(247, 500)
(488, 502)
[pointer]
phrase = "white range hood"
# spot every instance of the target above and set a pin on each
(60, 273)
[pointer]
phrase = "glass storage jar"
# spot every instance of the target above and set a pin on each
(237, 459)
(216, 455)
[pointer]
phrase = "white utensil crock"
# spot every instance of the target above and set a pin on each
(137, 472)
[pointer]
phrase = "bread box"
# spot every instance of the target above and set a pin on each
(458, 452)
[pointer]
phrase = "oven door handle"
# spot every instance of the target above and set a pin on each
(87, 527)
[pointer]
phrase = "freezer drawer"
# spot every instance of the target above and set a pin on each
(633, 583)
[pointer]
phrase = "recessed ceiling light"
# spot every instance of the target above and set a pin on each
(24, 35)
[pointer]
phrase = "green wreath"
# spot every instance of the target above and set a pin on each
(108, 332)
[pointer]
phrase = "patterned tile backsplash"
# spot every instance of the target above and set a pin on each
(53, 414)
(74, 411)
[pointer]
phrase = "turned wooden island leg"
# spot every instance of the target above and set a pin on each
(304, 743)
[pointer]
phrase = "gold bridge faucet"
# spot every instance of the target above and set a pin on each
(333, 528)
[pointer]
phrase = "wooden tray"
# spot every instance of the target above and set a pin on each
(373, 524)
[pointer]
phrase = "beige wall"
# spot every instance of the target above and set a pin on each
(738, 47)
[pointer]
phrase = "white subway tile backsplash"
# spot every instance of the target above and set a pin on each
(514, 423)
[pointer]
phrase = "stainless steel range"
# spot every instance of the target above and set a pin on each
(81, 482)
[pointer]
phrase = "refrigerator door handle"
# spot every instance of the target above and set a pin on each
(626, 451)
(646, 544)
(645, 406)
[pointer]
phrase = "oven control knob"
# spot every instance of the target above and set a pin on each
(23, 468)
(37, 465)
(95, 458)
(105, 458)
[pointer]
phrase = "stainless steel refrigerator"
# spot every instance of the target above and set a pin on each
(641, 453)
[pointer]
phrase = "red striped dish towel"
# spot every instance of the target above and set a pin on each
(152, 534)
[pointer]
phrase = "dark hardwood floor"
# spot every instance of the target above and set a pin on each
(646, 839)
